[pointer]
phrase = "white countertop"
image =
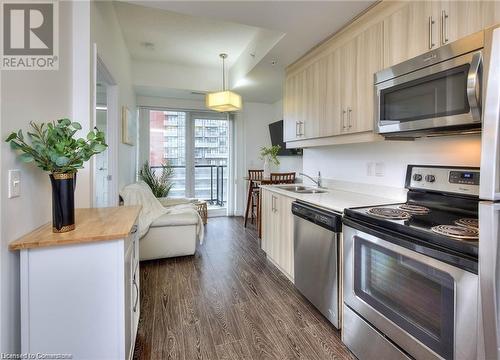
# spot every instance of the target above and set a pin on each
(332, 199)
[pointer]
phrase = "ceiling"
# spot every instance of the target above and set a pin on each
(180, 39)
(154, 91)
(195, 32)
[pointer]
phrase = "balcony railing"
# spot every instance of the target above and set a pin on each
(209, 185)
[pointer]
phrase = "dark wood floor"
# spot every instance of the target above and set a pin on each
(228, 302)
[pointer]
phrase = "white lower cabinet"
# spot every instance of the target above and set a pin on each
(81, 299)
(277, 230)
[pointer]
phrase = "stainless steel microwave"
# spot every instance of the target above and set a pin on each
(436, 93)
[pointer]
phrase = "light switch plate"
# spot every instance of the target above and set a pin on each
(14, 183)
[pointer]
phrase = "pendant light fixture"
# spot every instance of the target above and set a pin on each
(224, 100)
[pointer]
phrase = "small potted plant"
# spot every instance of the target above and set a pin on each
(270, 156)
(160, 184)
(54, 148)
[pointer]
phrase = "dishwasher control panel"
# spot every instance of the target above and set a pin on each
(327, 219)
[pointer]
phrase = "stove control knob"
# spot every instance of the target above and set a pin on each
(417, 177)
(430, 178)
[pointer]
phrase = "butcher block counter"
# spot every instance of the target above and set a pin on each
(80, 289)
(94, 224)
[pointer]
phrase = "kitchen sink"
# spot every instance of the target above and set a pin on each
(302, 189)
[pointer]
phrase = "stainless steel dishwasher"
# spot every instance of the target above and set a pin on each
(316, 265)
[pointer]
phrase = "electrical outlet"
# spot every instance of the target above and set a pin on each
(14, 183)
(379, 169)
(369, 169)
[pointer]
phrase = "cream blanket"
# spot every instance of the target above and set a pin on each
(139, 193)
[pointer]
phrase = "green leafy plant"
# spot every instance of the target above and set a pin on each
(54, 148)
(271, 154)
(160, 184)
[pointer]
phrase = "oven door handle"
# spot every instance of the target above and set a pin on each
(473, 86)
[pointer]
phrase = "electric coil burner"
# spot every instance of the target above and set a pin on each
(414, 209)
(468, 222)
(389, 213)
(457, 232)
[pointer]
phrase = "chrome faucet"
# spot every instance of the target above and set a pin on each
(317, 182)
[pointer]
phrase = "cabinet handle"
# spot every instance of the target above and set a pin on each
(444, 27)
(273, 203)
(431, 38)
(297, 129)
(301, 128)
(343, 119)
(136, 294)
(349, 118)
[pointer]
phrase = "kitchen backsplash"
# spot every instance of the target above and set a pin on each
(384, 163)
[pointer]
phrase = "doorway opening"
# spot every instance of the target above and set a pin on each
(106, 119)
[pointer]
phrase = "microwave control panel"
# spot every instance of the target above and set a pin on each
(443, 179)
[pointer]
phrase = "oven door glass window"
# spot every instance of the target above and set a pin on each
(437, 95)
(414, 296)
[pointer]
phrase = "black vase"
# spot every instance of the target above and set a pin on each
(63, 201)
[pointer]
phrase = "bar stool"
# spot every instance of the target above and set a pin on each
(282, 178)
(254, 176)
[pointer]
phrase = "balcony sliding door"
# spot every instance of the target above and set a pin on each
(197, 146)
(167, 144)
(211, 157)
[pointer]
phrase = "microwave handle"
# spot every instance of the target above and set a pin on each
(489, 188)
(473, 90)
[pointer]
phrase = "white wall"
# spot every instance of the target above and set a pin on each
(349, 162)
(106, 33)
(26, 96)
(253, 133)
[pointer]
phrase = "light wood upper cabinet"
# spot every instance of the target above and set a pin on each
(290, 120)
(462, 18)
(360, 59)
(421, 26)
(334, 94)
(459, 19)
(304, 102)
(490, 13)
(370, 60)
(333, 100)
(313, 101)
(294, 106)
(348, 60)
(410, 31)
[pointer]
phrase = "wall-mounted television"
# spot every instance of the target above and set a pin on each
(276, 131)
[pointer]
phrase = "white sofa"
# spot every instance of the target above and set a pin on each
(170, 235)
(166, 231)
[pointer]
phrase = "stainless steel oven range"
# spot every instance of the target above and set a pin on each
(410, 270)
